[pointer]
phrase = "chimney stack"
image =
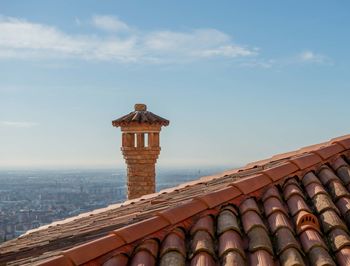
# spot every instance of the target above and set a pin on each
(140, 148)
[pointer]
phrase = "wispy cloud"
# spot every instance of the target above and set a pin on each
(18, 124)
(301, 58)
(312, 57)
(109, 23)
(22, 39)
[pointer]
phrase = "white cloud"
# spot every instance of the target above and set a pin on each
(22, 39)
(109, 23)
(202, 43)
(312, 57)
(259, 63)
(17, 124)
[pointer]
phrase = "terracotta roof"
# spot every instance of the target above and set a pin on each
(140, 115)
(291, 209)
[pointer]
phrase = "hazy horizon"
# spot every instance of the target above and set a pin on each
(200, 168)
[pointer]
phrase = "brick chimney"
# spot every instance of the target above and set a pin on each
(140, 148)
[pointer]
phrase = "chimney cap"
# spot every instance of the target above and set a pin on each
(140, 107)
(140, 116)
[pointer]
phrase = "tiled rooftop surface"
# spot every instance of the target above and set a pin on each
(290, 210)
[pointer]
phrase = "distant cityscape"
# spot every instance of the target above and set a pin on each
(29, 199)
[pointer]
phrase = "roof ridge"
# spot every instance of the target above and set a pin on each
(344, 141)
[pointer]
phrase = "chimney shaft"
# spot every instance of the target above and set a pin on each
(140, 148)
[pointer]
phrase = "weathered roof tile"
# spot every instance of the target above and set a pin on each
(320, 257)
(227, 220)
(310, 239)
(230, 241)
(343, 257)
(279, 220)
(173, 242)
(251, 219)
(261, 257)
(232, 258)
(330, 220)
(142, 258)
(172, 258)
(291, 257)
(203, 259)
(285, 239)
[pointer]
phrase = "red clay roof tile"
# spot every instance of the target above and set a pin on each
(230, 241)
(343, 257)
(328, 151)
(60, 260)
(319, 256)
(339, 239)
(343, 205)
(202, 241)
(173, 243)
(259, 239)
(251, 219)
(306, 161)
(285, 239)
(260, 257)
(291, 181)
(271, 192)
(344, 174)
(339, 162)
(227, 220)
(292, 189)
(272, 205)
(291, 257)
(205, 223)
(184, 211)
(218, 197)
(323, 202)
(252, 183)
(120, 260)
(93, 249)
(337, 190)
(326, 175)
(172, 258)
(278, 220)
(310, 239)
(314, 189)
(280, 171)
(138, 230)
(249, 205)
(232, 258)
(309, 178)
(330, 220)
(203, 259)
(296, 204)
(143, 258)
(149, 245)
(343, 142)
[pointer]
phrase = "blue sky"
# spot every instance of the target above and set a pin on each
(239, 81)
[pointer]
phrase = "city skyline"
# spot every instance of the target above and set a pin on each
(237, 83)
